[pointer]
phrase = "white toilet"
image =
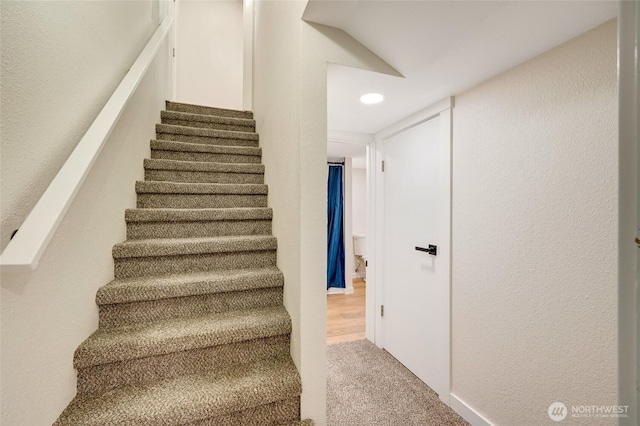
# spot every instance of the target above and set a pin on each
(360, 251)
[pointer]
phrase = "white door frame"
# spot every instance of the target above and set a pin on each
(175, 10)
(629, 215)
(375, 211)
(248, 24)
(351, 138)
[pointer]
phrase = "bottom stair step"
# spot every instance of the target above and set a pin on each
(197, 399)
(264, 415)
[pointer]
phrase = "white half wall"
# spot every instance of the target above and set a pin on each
(535, 204)
(209, 53)
(290, 105)
(46, 314)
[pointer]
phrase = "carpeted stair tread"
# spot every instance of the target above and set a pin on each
(102, 378)
(147, 339)
(208, 133)
(198, 201)
(200, 188)
(166, 170)
(169, 145)
(204, 152)
(203, 166)
(185, 246)
(154, 223)
(197, 215)
(207, 110)
(270, 414)
(306, 422)
(170, 117)
(191, 398)
(182, 285)
(201, 177)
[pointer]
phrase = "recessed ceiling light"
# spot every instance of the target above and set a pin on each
(371, 98)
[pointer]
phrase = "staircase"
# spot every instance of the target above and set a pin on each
(192, 329)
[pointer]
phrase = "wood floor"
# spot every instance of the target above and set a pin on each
(345, 315)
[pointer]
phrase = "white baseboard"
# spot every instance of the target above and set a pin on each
(468, 413)
(335, 290)
(357, 275)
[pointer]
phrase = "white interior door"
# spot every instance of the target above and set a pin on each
(415, 283)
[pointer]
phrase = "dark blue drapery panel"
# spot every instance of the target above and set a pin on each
(335, 240)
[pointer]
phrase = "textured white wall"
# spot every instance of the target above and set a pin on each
(359, 200)
(60, 63)
(209, 53)
(46, 314)
(349, 261)
(358, 211)
(535, 235)
(290, 105)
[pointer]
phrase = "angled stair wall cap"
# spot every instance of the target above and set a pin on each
(359, 54)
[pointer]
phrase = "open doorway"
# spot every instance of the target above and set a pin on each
(355, 338)
(402, 223)
(346, 237)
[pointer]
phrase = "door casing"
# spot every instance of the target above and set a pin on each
(375, 210)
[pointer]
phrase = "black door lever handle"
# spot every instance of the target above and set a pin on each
(432, 250)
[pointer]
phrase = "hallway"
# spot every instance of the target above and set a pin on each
(346, 315)
(366, 385)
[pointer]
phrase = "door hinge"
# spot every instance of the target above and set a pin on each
(174, 52)
(381, 310)
(383, 165)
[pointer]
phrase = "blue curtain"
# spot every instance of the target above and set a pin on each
(335, 239)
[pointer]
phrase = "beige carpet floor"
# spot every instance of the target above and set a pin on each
(367, 386)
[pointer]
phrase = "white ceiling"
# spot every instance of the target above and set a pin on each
(441, 47)
(355, 151)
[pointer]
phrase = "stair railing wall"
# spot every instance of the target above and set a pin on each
(24, 251)
(49, 311)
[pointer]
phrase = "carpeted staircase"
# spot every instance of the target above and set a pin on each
(192, 329)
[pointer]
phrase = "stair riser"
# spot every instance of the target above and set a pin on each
(102, 378)
(196, 109)
(277, 413)
(160, 265)
(200, 201)
(206, 125)
(120, 314)
(205, 140)
(202, 177)
(204, 157)
(218, 228)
